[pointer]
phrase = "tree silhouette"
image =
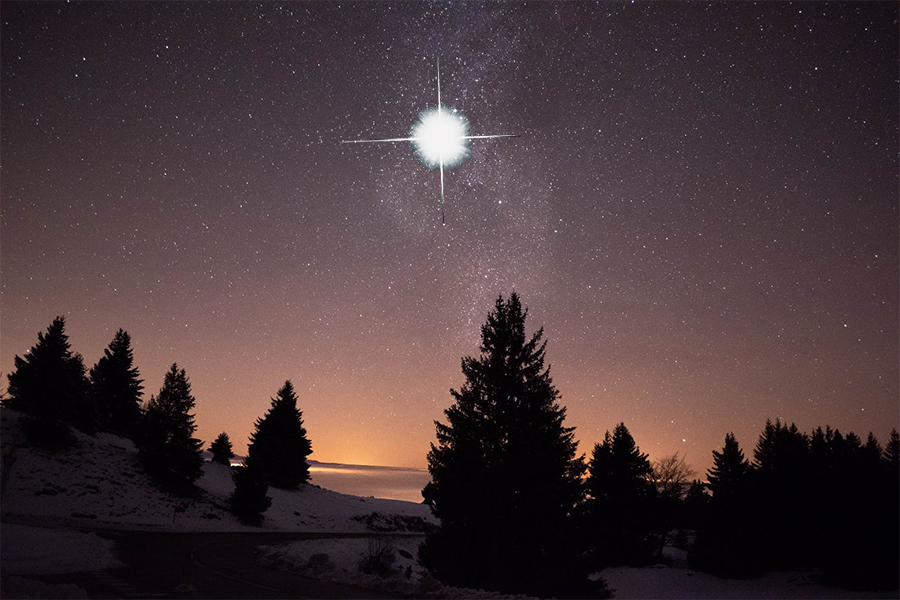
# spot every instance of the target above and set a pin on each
(729, 472)
(892, 455)
(249, 500)
(726, 541)
(781, 464)
(621, 501)
(49, 384)
(505, 475)
(671, 476)
(279, 445)
(168, 448)
(116, 388)
(221, 450)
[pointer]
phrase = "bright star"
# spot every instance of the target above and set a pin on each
(440, 138)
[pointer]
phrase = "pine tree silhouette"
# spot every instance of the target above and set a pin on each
(505, 475)
(621, 501)
(249, 500)
(279, 445)
(168, 448)
(116, 388)
(49, 384)
(221, 450)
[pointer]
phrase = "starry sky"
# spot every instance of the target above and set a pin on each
(701, 211)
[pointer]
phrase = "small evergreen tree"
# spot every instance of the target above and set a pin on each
(49, 384)
(221, 450)
(506, 478)
(621, 501)
(279, 445)
(116, 388)
(249, 500)
(169, 450)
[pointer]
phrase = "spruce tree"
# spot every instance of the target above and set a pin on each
(221, 450)
(279, 445)
(249, 501)
(505, 474)
(621, 501)
(49, 384)
(116, 388)
(169, 450)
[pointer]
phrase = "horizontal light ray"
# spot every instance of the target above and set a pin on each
(416, 139)
(387, 140)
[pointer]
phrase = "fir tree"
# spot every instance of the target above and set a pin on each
(169, 450)
(116, 388)
(505, 474)
(279, 445)
(221, 450)
(621, 500)
(249, 500)
(49, 384)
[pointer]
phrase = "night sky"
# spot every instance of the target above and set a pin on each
(702, 210)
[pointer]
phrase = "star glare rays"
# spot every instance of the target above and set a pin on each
(439, 138)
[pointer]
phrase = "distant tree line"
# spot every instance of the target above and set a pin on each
(822, 500)
(51, 386)
(521, 512)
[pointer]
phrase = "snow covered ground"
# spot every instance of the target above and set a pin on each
(99, 484)
(30, 550)
(674, 579)
(350, 561)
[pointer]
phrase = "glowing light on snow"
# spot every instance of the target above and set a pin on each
(440, 136)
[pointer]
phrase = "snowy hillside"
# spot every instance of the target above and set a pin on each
(98, 483)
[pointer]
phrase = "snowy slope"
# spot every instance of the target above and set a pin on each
(99, 484)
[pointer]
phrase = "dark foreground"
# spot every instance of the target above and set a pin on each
(200, 565)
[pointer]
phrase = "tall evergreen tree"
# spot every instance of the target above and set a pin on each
(168, 448)
(221, 450)
(116, 388)
(729, 472)
(279, 445)
(505, 475)
(49, 384)
(248, 500)
(727, 542)
(621, 500)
